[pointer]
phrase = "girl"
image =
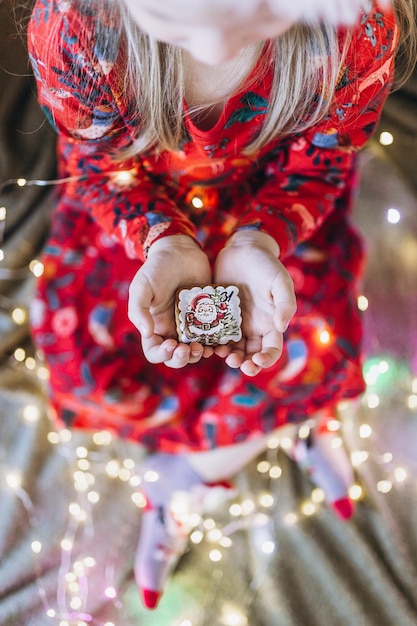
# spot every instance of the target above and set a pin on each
(207, 142)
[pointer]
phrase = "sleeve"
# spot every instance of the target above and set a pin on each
(307, 174)
(73, 69)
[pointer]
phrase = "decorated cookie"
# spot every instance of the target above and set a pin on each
(210, 315)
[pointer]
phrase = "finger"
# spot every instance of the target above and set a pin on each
(222, 350)
(271, 349)
(249, 368)
(208, 351)
(139, 304)
(284, 299)
(158, 350)
(180, 357)
(196, 352)
(237, 354)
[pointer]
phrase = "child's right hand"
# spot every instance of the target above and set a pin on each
(173, 262)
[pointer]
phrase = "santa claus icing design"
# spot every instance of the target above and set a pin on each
(210, 315)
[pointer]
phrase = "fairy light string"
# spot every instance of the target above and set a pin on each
(98, 461)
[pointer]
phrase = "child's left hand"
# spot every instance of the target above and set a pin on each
(268, 303)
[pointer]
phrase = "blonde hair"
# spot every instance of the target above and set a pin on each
(302, 88)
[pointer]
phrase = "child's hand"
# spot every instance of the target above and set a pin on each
(267, 299)
(173, 262)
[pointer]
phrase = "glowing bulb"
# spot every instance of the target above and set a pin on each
(386, 138)
(66, 545)
(135, 480)
(31, 413)
(102, 438)
(89, 561)
(19, 354)
(387, 457)
(358, 457)
(19, 315)
(365, 431)
(139, 499)
(393, 216)
(36, 547)
(286, 443)
(414, 385)
(363, 303)
(324, 337)
(14, 480)
(3, 213)
(21, 182)
(83, 464)
(317, 495)
(266, 500)
(232, 617)
(215, 555)
(1, 255)
(275, 471)
(225, 542)
(37, 268)
(43, 373)
(186, 622)
(93, 497)
(412, 401)
(304, 431)
(81, 452)
(268, 547)
(151, 476)
(336, 443)
(65, 435)
(53, 437)
(290, 519)
(129, 464)
(111, 592)
(74, 508)
(373, 401)
(124, 475)
(30, 363)
(209, 523)
(197, 202)
(112, 469)
(248, 506)
(273, 443)
(123, 178)
(308, 508)
(235, 510)
(75, 604)
(51, 612)
(197, 536)
(384, 486)
(400, 474)
(263, 467)
(355, 492)
(214, 535)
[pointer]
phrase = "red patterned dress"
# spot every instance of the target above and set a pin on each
(298, 189)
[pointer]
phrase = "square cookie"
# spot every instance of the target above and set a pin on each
(210, 315)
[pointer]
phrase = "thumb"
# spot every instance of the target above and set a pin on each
(140, 301)
(284, 299)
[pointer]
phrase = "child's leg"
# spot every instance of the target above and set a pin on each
(172, 479)
(164, 533)
(319, 451)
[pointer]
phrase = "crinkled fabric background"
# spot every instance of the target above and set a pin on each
(68, 525)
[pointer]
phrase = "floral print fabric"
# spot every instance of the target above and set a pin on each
(298, 189)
